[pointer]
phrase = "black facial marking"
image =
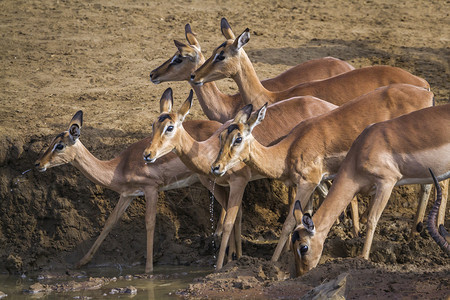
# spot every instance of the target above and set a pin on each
(61, 135)
(295, 237)
(163, 117)
(222, 45)
(232, 127)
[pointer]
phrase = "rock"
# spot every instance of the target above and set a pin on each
(334, 289)
(37, 288)
(128, 290)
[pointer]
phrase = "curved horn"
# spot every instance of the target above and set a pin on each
(431, 221)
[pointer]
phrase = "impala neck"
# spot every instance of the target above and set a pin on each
(269, 161)
(342, 191)
(198, 156)
(98, 171)
(216, 105)
(251, 89)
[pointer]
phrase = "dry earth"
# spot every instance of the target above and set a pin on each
(60, 56)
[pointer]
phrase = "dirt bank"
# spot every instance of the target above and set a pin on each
(61, 56)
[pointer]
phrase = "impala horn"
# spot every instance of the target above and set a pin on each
(431, 222)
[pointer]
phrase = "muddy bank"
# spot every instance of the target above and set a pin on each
(357, 278)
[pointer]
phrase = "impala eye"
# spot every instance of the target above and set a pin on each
(169, 128)
(59, 147)
(177, 60)
(238, 140)
(303, 249)
(220, 56)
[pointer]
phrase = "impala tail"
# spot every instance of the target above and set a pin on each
(438, 236)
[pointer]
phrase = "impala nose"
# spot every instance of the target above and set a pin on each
(215, 170)
(147, 157)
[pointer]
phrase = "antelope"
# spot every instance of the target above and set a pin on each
(222, 107)
(441, 236)
(127, 174)
(170, 135)
(386, 154)
(313, 151)
(230, 60)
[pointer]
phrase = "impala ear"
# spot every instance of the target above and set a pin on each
(184, 49)
(242, 40)
(190, 37)
(257, 117)
(184, 110)
(308, 223)
(166, 102)
(226, 29)
(243, 115)
(75, 125)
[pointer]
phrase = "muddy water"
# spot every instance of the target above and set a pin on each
(161, 285)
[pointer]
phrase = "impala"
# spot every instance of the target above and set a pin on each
(386, 154)
(169, 135)
(441, 236)
(230, 60)
(126, 174)
(222, 107)
(315, 148)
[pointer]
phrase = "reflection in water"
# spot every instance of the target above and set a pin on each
(163, 284)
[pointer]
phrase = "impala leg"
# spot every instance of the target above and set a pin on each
(304, 192)
(443, 207)
(355, 216)
(115, 216)
(219, 227)
(234, 202)
(417, 226)
(237, 233)
(231, 246)
(380, 200)
(151, 198)
(291, 197)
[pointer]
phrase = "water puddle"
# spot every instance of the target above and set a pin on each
(162, 284)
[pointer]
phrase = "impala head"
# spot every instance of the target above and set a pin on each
(235, 142)
(307, 250)
(224, 61)
(62, 150)
(180, 66)
(167, 126)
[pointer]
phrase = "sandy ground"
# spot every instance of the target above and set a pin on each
(60, 56)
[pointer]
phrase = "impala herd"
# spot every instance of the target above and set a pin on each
(366, 130)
